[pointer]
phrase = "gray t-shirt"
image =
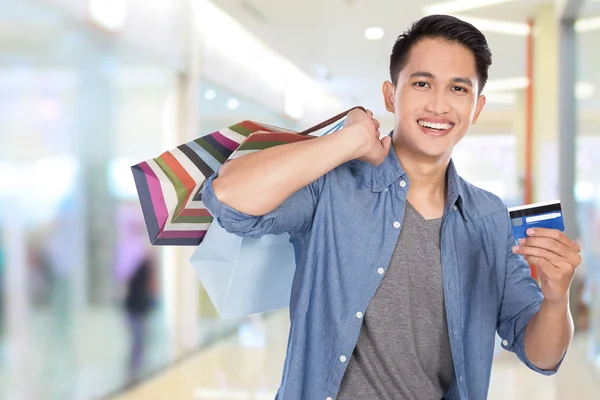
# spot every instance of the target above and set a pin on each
(403, 351)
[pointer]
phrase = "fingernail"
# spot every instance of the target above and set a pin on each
(521, 241)
(531, 231)
(515, 249)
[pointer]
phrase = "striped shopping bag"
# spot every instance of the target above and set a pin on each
(169, 186)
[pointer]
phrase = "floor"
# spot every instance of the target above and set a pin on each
(71, 359)
(61, 357)
(247, 366)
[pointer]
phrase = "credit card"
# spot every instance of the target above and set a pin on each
(538, 215)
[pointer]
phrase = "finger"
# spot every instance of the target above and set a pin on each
(376, 123)
(548, 269)
(370, 113)
(544, 266)
(554, 234)
(568, 259)
(568, 254)
(386, 143)
(546, 243)
(539, 253)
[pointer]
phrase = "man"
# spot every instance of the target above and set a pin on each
(404, 271)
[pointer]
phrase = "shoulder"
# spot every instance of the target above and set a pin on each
(481, 203)
(350, 171)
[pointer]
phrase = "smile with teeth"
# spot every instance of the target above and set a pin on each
(438, 127)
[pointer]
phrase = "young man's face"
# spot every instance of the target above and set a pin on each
(436, 98)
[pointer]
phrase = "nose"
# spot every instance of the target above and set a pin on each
(438, 103)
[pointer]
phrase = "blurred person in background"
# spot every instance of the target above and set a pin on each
(136, 270)
(139, 302)
(405, 271)
(41, 267)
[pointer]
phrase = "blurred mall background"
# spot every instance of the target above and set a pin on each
(90, 87)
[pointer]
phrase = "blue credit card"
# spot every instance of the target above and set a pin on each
(539, 215)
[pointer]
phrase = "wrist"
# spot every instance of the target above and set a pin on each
(354, 139)
(557, 306)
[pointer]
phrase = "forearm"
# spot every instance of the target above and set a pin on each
(259, 182)
(548, 335)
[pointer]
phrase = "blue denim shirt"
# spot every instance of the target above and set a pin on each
(344, 227)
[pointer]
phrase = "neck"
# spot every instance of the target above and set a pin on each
(427, 175)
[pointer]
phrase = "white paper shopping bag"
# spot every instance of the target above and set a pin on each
(245, 275)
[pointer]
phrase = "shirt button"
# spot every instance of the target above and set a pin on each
(402, 183)
(380, 271)
(343, 359)
(359, 315)
(396, 224)
(455, 208)
(462, 378)
(505, 343)
(329, 398)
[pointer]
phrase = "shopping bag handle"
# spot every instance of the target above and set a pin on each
(330, 121)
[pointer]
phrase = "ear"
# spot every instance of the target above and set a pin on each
(478, 108)
(388, 90)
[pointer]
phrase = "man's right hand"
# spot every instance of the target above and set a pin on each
(258, 183)
(365, 131)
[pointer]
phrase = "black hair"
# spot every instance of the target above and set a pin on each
(447, 28)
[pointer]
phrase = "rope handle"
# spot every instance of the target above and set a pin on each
(329, 121)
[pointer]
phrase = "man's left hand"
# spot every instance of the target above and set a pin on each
(556, 256)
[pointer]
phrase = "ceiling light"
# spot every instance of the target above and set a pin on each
(501, 98)
(322, 72)
(375, 33)
(210, 94)
(450, 7)
(109, 14)
(233, 103)
(584, 90)
(587, 24)
(506, 84)
(497, 26)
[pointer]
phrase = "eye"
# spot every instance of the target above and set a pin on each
(460, 89)
(421, 84)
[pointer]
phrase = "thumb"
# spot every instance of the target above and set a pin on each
(386, 143)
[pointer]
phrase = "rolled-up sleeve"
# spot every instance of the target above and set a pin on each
(521, 301)
(293, 216)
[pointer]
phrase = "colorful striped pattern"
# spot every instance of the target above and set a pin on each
(169, 186)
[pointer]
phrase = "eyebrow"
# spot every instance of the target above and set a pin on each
(429, 75)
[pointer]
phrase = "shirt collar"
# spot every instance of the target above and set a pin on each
(390, 171)
(455, 191)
